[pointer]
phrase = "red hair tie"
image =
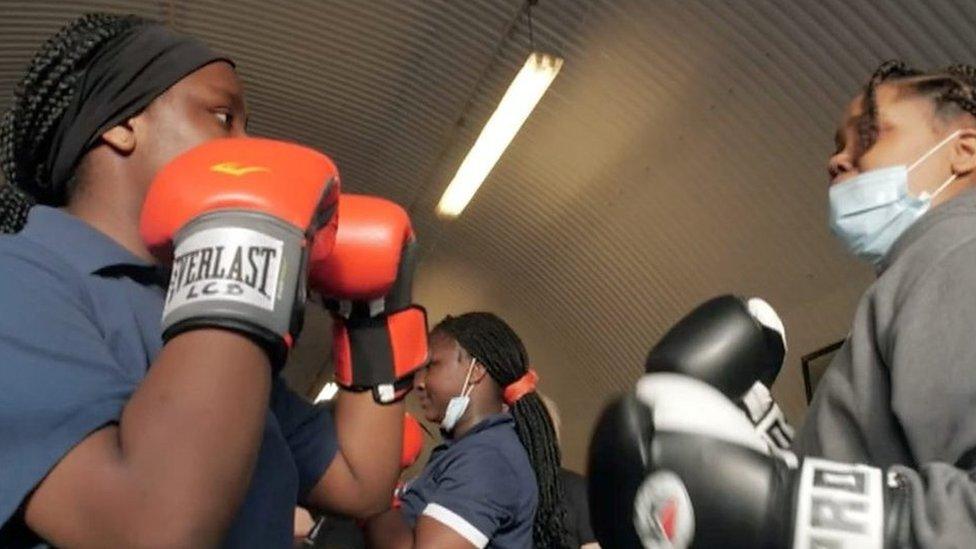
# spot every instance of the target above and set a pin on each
(520, 387)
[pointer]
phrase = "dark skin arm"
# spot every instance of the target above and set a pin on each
(389, 531)
(175, 469)
(360, 480)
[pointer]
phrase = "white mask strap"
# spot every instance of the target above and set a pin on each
(465, 390)
(933, 149)
(944, 185)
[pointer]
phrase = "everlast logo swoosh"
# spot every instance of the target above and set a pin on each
(235, 169)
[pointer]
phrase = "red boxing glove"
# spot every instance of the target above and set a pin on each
(413, 441)
(380, 336)
(413, 444)
(234, 218)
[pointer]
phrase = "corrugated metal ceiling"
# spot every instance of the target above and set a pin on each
(679, 154)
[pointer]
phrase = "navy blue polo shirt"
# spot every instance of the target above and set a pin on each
(79, 326)
(481, 485)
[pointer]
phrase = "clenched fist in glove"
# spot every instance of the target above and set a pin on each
(676, 464)
(737, 346)
(380, 335)
(235, 218)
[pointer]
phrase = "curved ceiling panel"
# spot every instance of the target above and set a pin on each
(679, 154)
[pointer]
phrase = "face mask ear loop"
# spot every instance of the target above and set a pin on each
(933, 149)
(943, 186)
(465, 389)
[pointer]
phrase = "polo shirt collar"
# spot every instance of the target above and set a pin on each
(81, 245)
(485, 424)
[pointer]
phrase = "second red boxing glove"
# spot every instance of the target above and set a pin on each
(413, 441)
(380, 336)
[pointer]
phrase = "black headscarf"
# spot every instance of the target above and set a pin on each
(121, 79)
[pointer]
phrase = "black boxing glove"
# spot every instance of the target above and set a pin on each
(737, 346)
(675, 464)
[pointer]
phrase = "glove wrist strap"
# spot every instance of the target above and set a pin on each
(839, 505)
(381, 353)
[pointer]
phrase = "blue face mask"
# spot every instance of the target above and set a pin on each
(870, 211)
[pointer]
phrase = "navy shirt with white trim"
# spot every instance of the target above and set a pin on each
(481, 485)
(79, 327)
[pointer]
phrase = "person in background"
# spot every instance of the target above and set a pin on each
(574, 484)
(494, 482)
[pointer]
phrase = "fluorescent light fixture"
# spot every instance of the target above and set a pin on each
(328, 392)
(522, 96)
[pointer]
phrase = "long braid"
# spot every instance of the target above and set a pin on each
(537, 434)
(39, 103)
(14, 206)
(490, 340)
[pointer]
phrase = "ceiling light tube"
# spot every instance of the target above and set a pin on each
(523, 94)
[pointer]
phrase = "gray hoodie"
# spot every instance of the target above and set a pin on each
(901, 392)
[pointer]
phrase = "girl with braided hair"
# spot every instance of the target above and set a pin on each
(886, 457)
(109, 436)
(29, 129)
(495, 480)
(899, 393)
(13, 209)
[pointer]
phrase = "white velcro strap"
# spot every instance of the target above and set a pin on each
(768, 417)
(455, 522)
(766, 315)
(774, 428)
(839, 505)
(377, 307)
(684, 404)
(757, 401)
(385, 393)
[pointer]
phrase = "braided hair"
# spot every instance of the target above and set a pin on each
(494, 344)
(952, 89)
(39, 104)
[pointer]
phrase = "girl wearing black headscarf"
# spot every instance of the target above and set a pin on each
(110, 438)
